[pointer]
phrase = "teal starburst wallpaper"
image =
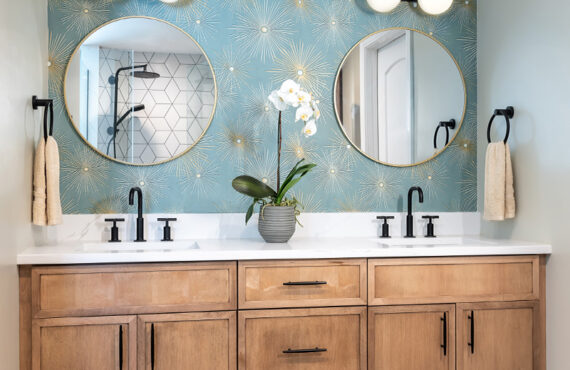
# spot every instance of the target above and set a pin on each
(312, 35)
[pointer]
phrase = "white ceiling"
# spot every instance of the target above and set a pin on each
(143, 35)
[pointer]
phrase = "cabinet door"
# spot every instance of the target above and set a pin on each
(296, 339)
(496, 336)
(411, 337)
(202, 340)
(89, 343)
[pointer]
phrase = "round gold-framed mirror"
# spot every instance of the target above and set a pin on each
(400, 97)
(140, 91)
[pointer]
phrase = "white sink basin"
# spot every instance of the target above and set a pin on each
(140, 247)
(422, 241)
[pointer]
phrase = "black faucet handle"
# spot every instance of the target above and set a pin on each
(385, 226)
(114, 229)
(166, 237)
(430, 227)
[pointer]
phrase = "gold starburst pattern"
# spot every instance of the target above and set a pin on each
(437, 28)
(227, 99)
(303, 64)
(84, 172)
(150, 180)
(237, 140)
(350, 203)
(181, 10)
(81, 16)
(333, 24)
(379, 186)
(232, 68)
(434, 178)
(297, 147)
(469, 41)
(108, 205)
(136, 8)
(468, 186)
(199, 178)
(308, 201)
(203, 23)
(263, 27)
(463, 12)
(343, 149)
(263, 166)
(331, 175)
(259, 110)
(199, 153)
(58, 53)
(304, 10)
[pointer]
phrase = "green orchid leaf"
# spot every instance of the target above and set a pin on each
(250, 211)
(252, 187)
(285, 189)
(291, 174)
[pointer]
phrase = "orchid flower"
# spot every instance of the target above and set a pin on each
(310, 128)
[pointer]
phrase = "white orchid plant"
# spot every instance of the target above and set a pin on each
(289, 95)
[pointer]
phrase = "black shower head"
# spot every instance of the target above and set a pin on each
(145, 74)
(137, 108)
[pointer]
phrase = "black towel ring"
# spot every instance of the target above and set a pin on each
(48, 105)
(507, 113)
(448, 125)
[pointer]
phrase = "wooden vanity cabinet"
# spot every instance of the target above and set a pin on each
(464, 313)
(411, 337)
(497, 336)
(203, 340)
(86, 343)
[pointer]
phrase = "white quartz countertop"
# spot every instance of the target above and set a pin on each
(252, 249)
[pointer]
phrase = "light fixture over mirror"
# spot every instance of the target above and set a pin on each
(432, 7)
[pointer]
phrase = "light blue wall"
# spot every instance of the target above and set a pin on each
(523, 61)
(300, 36)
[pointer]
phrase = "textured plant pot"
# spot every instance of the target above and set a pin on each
(277, 224)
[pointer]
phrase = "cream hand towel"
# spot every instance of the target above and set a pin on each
(53, 204)
(499, 189)
(39, 215)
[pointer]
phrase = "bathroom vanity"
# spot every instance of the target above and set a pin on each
(310, 304)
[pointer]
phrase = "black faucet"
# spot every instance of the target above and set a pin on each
(140, 219)
(410, 217)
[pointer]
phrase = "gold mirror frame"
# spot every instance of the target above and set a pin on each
(115, 159)
(339, 121)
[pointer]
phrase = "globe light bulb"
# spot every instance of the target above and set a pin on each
(435, 7)
(384, 6)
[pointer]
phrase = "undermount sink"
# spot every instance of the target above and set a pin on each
(422, 241)
(140, 247)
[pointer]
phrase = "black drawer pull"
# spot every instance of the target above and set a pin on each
(297, 283)
(472, 343)
(444, 345)
(120, 347)
(152, 346)
(305, 350)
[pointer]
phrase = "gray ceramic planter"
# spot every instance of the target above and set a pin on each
(277, 224)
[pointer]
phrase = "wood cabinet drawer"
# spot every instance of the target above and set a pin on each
(132, 289)
(454, 279)
(318, 338)
(272, 284)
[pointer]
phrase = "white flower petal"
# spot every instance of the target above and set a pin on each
(304, 112)
(310, 128)
(277, 101)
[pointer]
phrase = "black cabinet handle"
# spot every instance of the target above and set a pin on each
(152, 346)
(444, 345)
(120, 347)
(296, 283)
(472, 343)
(305, 350)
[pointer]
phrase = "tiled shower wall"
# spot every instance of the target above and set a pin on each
(178, 104)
